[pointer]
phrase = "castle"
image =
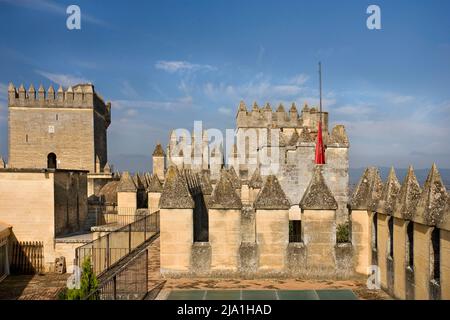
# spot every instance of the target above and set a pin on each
(62, 129)
(266, 211)
(265, 139)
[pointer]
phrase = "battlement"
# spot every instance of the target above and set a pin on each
(265, 117)
(80, 96)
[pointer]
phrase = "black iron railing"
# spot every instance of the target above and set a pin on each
(111, 248)
(128, 282)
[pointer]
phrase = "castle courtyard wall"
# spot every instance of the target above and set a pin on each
(224, 239)
(361, 240)
(445, 264)
(399, 289)
(422, 240)
(272, 237)
(319, 236)
(31, 211)
(176, 234)
(382, 249)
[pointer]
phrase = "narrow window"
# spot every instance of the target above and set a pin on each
(51, 161)
(295, 231)
(435, 255)
(410, 244)
(56, 117)
(375, 232)
(26, 138)
(391, 237)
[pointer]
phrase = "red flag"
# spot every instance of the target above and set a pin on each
(320, 150)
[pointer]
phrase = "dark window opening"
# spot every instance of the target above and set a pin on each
(391, 237)
(26, 138)
(435, 255)
(410, 244)
(375, 232)
(201, 221)
(51, 161)
(56, 117)
(295, 231)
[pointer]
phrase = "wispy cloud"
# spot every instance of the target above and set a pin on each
(179, 66)
(260, 88)
(354, 110)
(65, 80)
(225, 111)
(128, 90)
(171, 105)
(53, 8)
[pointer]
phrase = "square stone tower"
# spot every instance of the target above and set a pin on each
(63, 129)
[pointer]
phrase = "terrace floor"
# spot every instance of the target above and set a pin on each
(173, 288)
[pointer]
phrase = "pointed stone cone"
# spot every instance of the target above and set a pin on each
(389, 194)
(11, 87)
(107, 168)
(224, 195)
(126, 183)
(205, 183)
(268, 107)
(318, 196)
(41, 92)
(158, 152)
(175, 194)
(272, 196)
(305, 136)
(280, 108)
(367, 191)
(432, 201)
(242, 106)
(305, 108)
(232, 175)
(256, 181)
(255, 106)
(293, 108)
(154, 184)
(408, 196)
(294, 138)
(31, 92)
(51, 93)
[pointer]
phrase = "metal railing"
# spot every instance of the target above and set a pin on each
(120, 219)
(109, 249)
(128, 282)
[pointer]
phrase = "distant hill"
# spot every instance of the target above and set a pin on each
(421, 174)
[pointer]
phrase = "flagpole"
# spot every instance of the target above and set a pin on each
(320, 89)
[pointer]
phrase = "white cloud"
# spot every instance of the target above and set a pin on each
(299, 79)
(65, 80)
(185, 102)
(354, 110)
(128, 90)
(175, 66)
(398, 98)
(225, 111)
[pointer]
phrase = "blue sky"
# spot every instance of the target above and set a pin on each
(164, 64)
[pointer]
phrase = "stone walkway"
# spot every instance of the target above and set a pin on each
(32, 287)
(46, 287)
(357, 286)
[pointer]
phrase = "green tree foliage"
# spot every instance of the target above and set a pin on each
(343, 233)
(89, 283)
